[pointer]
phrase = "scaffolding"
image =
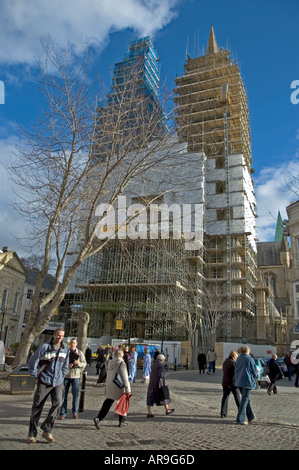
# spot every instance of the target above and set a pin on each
(199, 111)
(152, 286)
(217, 123)
(157, 287)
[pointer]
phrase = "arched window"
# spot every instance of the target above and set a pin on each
(270, 281)
(273, 285)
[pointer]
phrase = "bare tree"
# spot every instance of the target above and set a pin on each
(78, 155)
(213, 311)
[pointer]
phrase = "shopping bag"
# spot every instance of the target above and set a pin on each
(122, 405)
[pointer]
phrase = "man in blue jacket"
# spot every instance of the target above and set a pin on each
(245, 374)
(48, 366)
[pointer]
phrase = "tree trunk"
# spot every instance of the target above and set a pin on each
(22, 353)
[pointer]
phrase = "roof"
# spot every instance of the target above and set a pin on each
(268, 253)
(11, 260)
(31, 277)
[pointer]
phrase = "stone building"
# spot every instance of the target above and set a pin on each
(12, 279)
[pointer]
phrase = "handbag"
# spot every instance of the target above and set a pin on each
(118, 379)
(164, 393)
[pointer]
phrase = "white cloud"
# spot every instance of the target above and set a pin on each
(275, 189)
(12, 227)
(23, 23)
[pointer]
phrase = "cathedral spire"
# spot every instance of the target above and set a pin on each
(212, 47)
(279, 228)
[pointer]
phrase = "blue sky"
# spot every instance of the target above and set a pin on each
(262, 35)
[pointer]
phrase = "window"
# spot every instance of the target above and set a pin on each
(270, 281)
(15, 303)
(29, 294)
(4, 299)
(220, 187)
(296, 288)
(220, 163)
(221, 213)
(273, 285)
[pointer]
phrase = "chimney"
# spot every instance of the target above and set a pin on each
(5, 249)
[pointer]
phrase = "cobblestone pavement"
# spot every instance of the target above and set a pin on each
(195, 425)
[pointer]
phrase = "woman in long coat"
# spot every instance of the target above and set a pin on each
(147, 365)
(113, 392)
(157, 380)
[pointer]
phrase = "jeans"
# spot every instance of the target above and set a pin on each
(227, 389)
(245, 408)
(75, 383)
(212, 366)
(41, 394)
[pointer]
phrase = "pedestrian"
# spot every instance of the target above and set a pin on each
(48, 365)
(147, 360)
(77, 364)
(156, 353)
(211, 359)
(100, 359)
(157, 381)
(127, 357)
(88, 355)
(245, 379)
(296, 383)
(113, 392)
(202, 361)
(228, 384)
(275, 373)
(288, 362)
(133, 365)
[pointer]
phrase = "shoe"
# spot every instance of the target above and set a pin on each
(75, 416)
(244, 424)
(269, 392)
(122, 424)
(208, 373)
(31, 439)
(48, 437)
(96, 422)
(223, 416)
(169, 412)
(150, 416)
(61, 417)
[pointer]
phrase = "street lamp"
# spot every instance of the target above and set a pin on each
(130, 319)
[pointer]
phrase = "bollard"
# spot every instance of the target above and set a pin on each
(175, 364)
(187, 363)
(82, 394)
